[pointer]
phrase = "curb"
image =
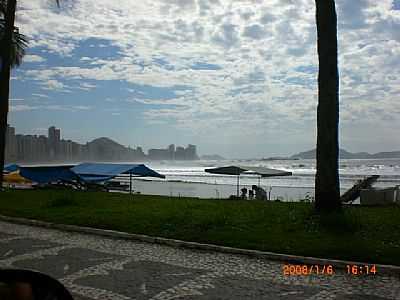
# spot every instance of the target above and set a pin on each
(292, 259)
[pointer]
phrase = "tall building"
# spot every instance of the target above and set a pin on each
(42, 148)
(52, 134)
(57, 134)
(158, 154)
(180, 153)
(191, 152)
(11, 145)
(54, 143)
(171, 152)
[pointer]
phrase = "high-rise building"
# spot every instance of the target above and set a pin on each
(171, 152)
(57, 134)
(180, 153)
(52, 134)
(11, 145)
(158, 154)
(54, 143)
(191, 152)
(42, 148)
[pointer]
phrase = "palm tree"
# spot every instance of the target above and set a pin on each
(7, 26)
(13, 45)
(327, 190)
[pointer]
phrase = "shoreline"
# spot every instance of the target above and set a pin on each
(220, 191)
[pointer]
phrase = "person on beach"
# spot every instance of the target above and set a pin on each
(260, 193)
(251, 194)
(244, 193)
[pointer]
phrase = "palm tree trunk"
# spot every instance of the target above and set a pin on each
(327, 190)
(5, 79)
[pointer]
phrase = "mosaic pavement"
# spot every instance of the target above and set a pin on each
(94, 267)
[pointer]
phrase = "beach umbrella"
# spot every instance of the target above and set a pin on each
(237, 170)
(229, 170)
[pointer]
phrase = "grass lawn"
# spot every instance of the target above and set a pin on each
(368, 234)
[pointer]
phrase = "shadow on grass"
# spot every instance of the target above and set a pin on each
(63, 199)
(338, 222)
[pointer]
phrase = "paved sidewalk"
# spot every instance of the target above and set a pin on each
(94, 267)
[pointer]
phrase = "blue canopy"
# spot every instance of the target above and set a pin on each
(47, 174)
(8, 168)
(98, 172)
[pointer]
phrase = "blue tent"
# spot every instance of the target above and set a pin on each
(8, 168)
(47, 174)
(86, 172)
(99, 172)
(96, 172)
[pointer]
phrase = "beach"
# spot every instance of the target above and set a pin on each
(188, 178)
(217, 191)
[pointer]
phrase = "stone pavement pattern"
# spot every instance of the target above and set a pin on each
(94, 267)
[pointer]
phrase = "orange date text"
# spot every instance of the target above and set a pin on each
(304, 270)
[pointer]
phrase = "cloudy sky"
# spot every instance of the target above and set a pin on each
(236, 78)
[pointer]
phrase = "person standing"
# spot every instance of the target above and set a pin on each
(251, 194)
(260, 193)
(244, 193)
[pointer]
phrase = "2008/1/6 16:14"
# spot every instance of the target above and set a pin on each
(290, 269)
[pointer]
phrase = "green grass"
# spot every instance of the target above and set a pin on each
(368, 234)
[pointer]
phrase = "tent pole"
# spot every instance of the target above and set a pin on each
(130, 183)
(237, 188)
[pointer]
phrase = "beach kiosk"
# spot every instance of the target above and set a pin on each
(238, 170)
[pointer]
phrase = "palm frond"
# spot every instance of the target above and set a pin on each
(3, 7)
(18, 49)
(19, 44)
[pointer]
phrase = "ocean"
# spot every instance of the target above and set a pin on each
(188, 178)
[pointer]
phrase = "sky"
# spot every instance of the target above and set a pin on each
(237, 78)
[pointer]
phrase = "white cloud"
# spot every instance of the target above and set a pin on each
(16, 108)
(71, 108)
(40, 95)
(33, 58)
(55, 107)
(87, 86)
(81, 107)
(53, 84)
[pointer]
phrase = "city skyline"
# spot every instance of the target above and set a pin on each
(53, 148)
(237, 77)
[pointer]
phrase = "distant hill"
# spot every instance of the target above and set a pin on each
(106, 142)
(348, 155)
(105, 149)
(212, 157)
